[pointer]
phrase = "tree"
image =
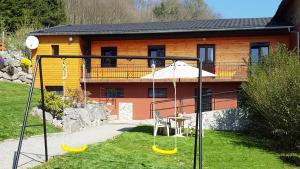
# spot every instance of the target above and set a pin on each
(167, 11)
(174, 10)
(272, 97)
(34, 13)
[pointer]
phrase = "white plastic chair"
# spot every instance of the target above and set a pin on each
(160, 123)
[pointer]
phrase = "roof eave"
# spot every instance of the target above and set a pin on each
(162, 31)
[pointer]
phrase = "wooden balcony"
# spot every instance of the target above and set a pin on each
(133, 73)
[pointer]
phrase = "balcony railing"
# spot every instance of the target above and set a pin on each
(223, 71)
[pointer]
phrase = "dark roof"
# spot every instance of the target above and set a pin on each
(164, 27)
(282, 9)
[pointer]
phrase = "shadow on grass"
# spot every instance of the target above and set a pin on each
(149, 130)
(246, 140)
(143, 129)
(291, 159)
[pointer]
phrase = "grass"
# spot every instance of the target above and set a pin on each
(13, 99)
(132, 150)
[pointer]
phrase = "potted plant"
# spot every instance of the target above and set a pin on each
(2, 61)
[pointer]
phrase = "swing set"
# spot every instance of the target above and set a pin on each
(155, 148)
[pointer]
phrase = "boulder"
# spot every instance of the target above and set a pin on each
(28, 76)
(57, 123)
(6, 76)
(48, 117)
(18, 81)
(15, 76)
(84, 118)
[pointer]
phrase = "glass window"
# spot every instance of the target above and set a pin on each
(159, 92)
(114, 92)
(258, 50)
(56, 89)
(206, 53)
(55, 50)
(206, 99)
(156, 51)
(108, 62)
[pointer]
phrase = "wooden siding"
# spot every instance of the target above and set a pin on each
(227, 49)
(230, 50)
(52, 68)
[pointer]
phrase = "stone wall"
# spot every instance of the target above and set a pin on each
(229, 119)
(76, 119)
(18, 76)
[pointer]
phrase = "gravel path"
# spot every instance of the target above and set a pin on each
(33, 147)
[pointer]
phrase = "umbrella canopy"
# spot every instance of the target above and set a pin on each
(182, 71)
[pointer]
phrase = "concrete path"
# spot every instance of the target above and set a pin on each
(33, 147)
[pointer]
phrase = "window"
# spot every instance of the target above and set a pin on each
(156, 51)
(258, 50)
(108, 62)
(159, 92)
(206, 53)
(206, 99)
(114, 92)
(55, 50)
(57, 89)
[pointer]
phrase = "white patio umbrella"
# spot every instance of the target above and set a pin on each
(181, 70)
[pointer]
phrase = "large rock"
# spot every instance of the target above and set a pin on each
(6, 76)
(15, 76)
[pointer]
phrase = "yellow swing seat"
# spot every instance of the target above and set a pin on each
(73, 150)
(160, 151)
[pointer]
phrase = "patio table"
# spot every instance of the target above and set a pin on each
(180, 123)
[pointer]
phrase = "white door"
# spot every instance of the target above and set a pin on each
(125, 111)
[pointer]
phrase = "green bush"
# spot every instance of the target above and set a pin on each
(16, 41)
(55, 104)
(272, 97)
(77, 96)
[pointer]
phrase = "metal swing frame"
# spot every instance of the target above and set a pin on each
(38, 64)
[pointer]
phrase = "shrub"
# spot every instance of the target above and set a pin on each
(15, 41)
(77, 96)
(272, 97)
(55, 104)
(25, 64)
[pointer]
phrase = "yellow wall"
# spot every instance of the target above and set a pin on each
(52, 68)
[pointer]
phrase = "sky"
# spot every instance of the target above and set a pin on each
(244, 8)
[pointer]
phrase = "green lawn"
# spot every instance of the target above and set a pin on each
(132, 150)
(13, 99)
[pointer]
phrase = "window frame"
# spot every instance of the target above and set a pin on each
(157, 47)
(115, 94)
(55, 50)
(210, 103)
(52, 89)
(103, 59)
(150, 91)
(258, 45)
(206, 46)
